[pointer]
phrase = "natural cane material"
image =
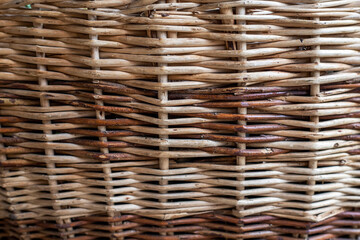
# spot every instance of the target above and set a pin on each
(167, 111)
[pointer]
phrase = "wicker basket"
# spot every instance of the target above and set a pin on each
(168, 113)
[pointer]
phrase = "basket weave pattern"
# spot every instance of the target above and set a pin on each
(200, 119)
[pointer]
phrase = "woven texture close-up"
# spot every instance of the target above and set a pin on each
(180, 119)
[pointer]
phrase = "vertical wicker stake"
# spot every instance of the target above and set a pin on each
(239, 46)
(314, 92)
(241, 160)
(53, 185)
(171, 35)
(100, 115)
(163, 97)
(242, 47)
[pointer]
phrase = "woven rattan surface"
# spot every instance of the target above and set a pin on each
(169, 110)
(218, 225)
